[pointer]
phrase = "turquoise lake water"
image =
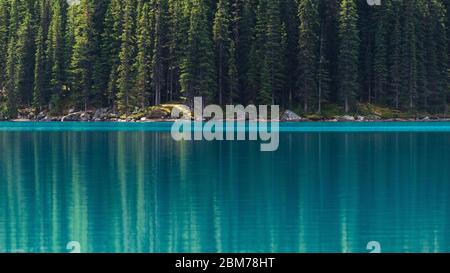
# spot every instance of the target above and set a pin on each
(330, 187)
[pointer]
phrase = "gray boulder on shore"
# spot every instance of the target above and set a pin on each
(101, 114)
(77, 116)
(346, 118)
(289, 115)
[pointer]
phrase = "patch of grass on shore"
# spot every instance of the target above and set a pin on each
(371, 111)
(330, 111)
(367, 110)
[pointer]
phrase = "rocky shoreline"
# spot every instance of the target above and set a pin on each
(163, 114)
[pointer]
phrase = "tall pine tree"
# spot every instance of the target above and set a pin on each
(55, 51)
(198, 70)
(110, 49)
(145, 42)
(11, 61)
(348, 54)
(83, 55)
(4, 32)
(308, 59)
(126, 96)
(222, 42)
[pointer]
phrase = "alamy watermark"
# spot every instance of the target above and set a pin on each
(374, 2)
(237, 123)
(374, 247)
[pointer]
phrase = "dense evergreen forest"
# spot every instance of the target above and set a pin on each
(304, 55)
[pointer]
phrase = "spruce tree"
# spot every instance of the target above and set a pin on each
(408, 65)
(83, 59)
(160, 45)
(145, 42)
(234, 85)
(380, 70)
(4, 31)
(421, 20)
(41, 76)
(437, 58)
(25, 50)
(126, 96)
(233, 74)
(329, 14)
(289, 17)
(308, 59)
(394, 56)
(55, 51)
(179, 18)
(70, 29)
(11, 61)
(256, 58)
(244, 21)
(110, 49)
(197, 70)
(366, 25)
(323, 73)
(348, 54)
(273, 69)
(222, 40)
(98, 95)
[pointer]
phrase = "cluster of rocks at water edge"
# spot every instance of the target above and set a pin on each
(163, 113)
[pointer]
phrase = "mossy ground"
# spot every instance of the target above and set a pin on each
(330, 111)
(163, 111)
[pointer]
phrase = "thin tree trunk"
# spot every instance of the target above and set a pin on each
(346, 104)
(220, 73)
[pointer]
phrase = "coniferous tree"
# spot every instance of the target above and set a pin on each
(233, 74)
(197, 71)
(126, 96)
(56, 50)
(438, 58)
(41, 73)
(308, 59)
(222, 42)
(273, 68)
(289, 17)
(4, 32)
(11, 61)
(394, 56)
(82, 61)
(23, 82)
(421, 19)
(329, 14)
(366, 30)
(25, 50)
(380, 70)
(348, 53)
(69, 42)
(110, 49)
(447, 25)
(408, 64)
(97, 94)
(244, 21)
(254, 84)
(323, 73)
(145, 42)
(179, 17)
(159, 58)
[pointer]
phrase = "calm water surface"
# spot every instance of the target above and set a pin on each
(131, 188)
